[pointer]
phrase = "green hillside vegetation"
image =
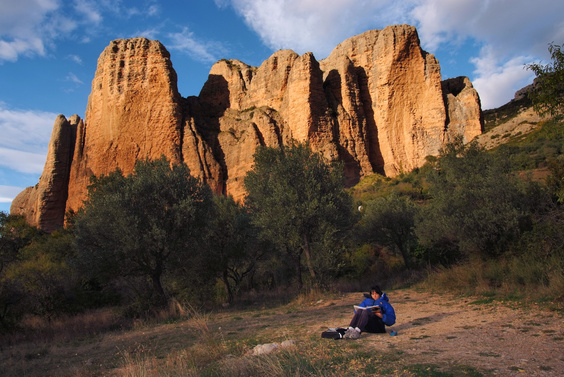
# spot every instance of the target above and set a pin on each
(480, 221)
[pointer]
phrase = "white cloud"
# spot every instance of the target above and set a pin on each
(75, 58)
(315, 25)
(20, 27)
(443, 21)
(149, 33)
(22, 128)
(221, 3)
(89, 10)
(8, 193)
(186, 42)
(153, 10)
(11, 50)
(23, 162)
(34, 27)
(25, 138)
(511, 27)
(497, 81)
(71, 77)
(512, 33)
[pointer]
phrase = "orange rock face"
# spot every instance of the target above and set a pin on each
(134, 112)
(376, 103)
(44, 204)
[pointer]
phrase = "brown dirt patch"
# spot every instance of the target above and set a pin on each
(446, 330)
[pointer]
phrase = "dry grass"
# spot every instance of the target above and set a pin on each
(67, 328)
(520, 279)
(220, 343)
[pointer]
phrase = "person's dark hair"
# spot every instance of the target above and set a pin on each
(376, 289)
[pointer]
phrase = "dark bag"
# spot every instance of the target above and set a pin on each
(333, 333)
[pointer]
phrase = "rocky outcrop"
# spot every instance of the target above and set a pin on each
(464, 118)
(134, 112)
(44, 204)
(387, 90)
(377, 103)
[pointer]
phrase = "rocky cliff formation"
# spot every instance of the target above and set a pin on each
(377, 103)
(44, 204)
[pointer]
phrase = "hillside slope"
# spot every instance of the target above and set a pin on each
(514, 119)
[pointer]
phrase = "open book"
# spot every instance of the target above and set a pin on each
(375, 308)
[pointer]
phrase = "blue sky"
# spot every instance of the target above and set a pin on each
(49, 49)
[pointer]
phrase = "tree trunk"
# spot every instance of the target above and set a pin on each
(298, 266)
(307, 250)
(228, 290)
(158, 287)
(406, 258)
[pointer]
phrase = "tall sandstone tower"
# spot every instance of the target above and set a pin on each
(377, 103)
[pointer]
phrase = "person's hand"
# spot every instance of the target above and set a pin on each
(379, 314)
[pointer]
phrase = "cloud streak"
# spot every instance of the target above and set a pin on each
(34, 27)
(7, 193)
(22, 162)
(25, 137)
(187, 43)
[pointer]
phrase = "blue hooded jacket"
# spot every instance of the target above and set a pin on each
(388, 313)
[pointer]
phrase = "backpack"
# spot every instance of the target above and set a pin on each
(334, 333)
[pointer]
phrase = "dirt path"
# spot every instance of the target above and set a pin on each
(445, 330)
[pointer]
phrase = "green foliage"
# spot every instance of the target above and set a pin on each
(555, 181)
(43, 275)
(35, 277)
(15, 235)
(390, 221)
(412, 185)
(232, 247)
(142, 226)
(537, 148)
(363, 259)
(548, 93)
(477, 206)
(299, 204)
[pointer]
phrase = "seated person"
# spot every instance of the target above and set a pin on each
(369, 320)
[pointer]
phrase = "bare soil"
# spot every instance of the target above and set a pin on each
(442, 330)
(446, 330)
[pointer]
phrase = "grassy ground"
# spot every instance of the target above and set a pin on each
(438, 336)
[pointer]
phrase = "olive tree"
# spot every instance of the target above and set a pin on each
(232, 250)
(477, 205)
(390, 221)
(548, 92)
(143, 224)
(299, 204)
